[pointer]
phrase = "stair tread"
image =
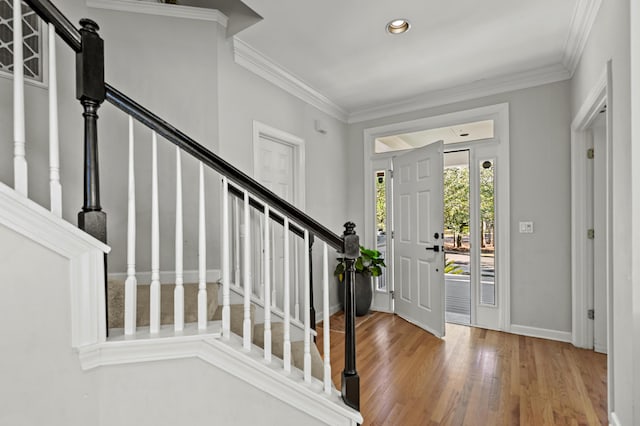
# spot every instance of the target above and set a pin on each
(115, 294)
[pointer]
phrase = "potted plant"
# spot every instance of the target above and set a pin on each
(368, 264)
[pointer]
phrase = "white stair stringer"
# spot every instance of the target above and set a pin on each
(233, 359)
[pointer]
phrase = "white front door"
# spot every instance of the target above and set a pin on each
(418, 240)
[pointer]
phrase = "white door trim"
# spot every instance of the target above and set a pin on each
(261, 130)
(580, 136)
(599, 96)
(500, 114)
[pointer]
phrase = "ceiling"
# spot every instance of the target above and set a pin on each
(340, 49)
(464, 132)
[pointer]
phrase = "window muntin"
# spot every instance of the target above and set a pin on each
(32, 41)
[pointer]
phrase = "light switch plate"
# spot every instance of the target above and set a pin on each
(526, 227)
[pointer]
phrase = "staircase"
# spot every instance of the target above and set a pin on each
(250, 322)
(115, 322)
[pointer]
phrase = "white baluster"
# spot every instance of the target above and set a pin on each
(325, 319)
(236, 241)
(202, 259)
(19, 150)
(131, 283)
(274, 293)
(287, 308)
(262, 259)
(307, 313)
(246, 325)
(267, 286)
(55, 189)
(296, 279)
(154, 321)
(178, 292)
(226, 310)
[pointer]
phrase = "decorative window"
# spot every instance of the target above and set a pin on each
(32, 41)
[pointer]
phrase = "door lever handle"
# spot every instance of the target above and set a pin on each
(435, 248)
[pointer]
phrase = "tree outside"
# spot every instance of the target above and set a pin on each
(456, 208)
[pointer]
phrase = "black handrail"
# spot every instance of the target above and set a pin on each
(52, 15)
(187, 144)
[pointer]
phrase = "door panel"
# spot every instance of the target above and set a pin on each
(274, 168)
(418, 220)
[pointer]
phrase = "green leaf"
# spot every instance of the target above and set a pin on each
(359, 265)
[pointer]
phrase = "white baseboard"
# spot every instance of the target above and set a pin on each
(543, 333)
(332, 310)
(615, 421)
(168, 277)
(600, 349)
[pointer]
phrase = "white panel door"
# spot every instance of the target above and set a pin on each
(418, 242)
(274, 168)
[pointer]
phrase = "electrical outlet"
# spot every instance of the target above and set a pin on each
(526, 227)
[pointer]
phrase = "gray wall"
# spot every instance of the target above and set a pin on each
(175, 77)
(609, 40)
(540, 191)
(42, 382)
(146, 61)
(245, 97)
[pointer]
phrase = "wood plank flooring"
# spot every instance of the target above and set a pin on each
(472, 377)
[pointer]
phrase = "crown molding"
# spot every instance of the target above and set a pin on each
(584, 15)
(161, 9)
(256, 62)
(476, 89)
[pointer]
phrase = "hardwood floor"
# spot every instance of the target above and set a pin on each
(472, 377)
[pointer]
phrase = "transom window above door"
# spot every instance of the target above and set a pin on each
(466, 132)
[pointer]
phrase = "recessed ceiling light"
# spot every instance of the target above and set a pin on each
(398, 26)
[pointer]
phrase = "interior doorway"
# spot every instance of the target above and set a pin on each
(592, 225)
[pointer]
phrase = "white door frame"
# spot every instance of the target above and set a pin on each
(580, 136)
(261, 130)
(500, 114)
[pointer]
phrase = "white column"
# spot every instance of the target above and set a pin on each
(202, 258)
(131, 283)
(226, 310)
(19, 150)
(246, 325)
(307, 314)
(286, 350)
(325, 320)
(154, 307)
(55, 189)
(178, 292)
(267, 286)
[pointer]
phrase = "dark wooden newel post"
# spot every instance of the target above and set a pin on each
(350, 378)
(90, 91)
(312, 309)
